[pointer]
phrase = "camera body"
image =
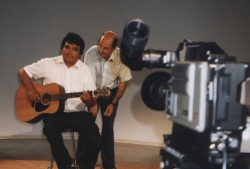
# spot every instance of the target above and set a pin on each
(205, 96)
(204, 102)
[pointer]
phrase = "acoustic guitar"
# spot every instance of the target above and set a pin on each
(52, 101)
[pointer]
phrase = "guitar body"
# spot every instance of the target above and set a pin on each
(33, 112)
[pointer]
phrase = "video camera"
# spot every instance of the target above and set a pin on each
(206, 95)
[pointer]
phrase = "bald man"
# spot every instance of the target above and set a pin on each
(105, 63)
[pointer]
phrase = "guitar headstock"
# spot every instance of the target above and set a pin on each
(105, 92)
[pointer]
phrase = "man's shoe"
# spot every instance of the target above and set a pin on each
(73, 166)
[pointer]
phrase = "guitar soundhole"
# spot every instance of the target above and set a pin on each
(46, 99)
(44, 104)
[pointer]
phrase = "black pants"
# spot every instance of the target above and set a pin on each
(89, 141)
(107, 150)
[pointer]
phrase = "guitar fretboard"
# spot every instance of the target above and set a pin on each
(65, 96)
(97, 93)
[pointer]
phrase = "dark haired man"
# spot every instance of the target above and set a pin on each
(104, 60)
(68, 71)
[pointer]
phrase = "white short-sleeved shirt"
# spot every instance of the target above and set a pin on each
(77, 78)
(108, 73)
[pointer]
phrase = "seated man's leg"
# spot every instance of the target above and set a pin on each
(89, 141)
(53, 127)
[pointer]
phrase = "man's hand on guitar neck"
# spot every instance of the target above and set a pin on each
(89, 101)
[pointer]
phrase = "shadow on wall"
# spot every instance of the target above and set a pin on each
(142, 113)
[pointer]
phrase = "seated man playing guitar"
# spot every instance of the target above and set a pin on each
(65, 73)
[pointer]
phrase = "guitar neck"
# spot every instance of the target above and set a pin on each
(65, 96)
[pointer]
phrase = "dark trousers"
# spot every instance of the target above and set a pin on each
(107, 149)
(89, 142)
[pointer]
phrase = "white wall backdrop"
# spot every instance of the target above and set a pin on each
(33, 29)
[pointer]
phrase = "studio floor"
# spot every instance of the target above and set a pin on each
(38, 149)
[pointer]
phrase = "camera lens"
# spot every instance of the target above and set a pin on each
(135, 37)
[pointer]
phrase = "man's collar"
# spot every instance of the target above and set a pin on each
(60, 60)
(111, 58)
